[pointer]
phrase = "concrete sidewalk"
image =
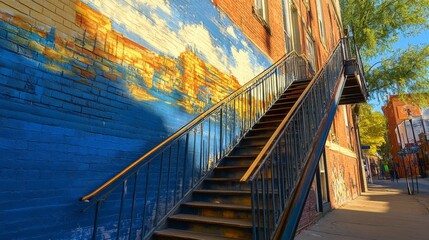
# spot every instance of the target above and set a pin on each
(386, 211)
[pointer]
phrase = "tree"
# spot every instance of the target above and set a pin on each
(372, 128)
(376, 26)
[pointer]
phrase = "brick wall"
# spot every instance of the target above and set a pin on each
(86, 89)
(271, 39)
(343, 177)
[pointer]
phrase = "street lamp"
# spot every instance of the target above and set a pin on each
(415, 147)
(402, 155)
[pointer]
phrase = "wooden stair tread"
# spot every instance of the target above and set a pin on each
(221, 167)
(250, 146)
(274, 114)
(271, 121)
(241, 156)
(284, 103)
(264, 129)
(222, 179)
(255, 137)
(212, 220)
(225, 192)
(218, 205)
(183, 234)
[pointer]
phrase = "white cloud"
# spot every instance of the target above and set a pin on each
(158, 35)
(244, 70)
(155, 30)
(230, 31)
(198, 37)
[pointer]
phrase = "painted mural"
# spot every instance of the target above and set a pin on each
(185, 59)
(162, 58)
(79, 105)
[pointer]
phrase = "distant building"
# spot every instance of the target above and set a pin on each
(408, 126)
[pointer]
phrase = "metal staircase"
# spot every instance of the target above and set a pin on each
(241, 170)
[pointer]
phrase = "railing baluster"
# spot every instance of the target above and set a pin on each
(214, 141)
(264, 205)
(133, 205)
(201, 150)
(254, 206)
(143, 231)
(185, 163)
(124, 190)
(193, 159)
(159, 188)
(97, 210)
(168, 180)
(177, 172)
(220, 132)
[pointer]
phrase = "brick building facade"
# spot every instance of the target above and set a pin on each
(87, 87)
(400, 132)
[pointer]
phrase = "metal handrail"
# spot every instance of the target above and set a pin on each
(181, 161)
(188, 126)
(279, 168)
(257, 162)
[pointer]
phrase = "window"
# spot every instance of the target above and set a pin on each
(287, 26)
(311, 52)
(291, 27)
(322, 190)
(261, 10)
(323, 179)
(348, 128)
(321, 21)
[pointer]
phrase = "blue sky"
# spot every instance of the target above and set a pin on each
(422, 38)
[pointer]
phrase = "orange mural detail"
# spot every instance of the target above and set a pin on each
(99, 50)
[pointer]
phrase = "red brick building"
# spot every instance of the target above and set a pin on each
(407, 125)
(312, 28)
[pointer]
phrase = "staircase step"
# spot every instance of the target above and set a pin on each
(218, 210)
(230, 171)
(232, 228)
(222, 183)
(282, 104)
(261, 130)
(170, 233)
(238, 160)
(212, 220)
(239, 197)
(273, 116)
(283, 110)
(222, 192)
(247, 150)
(291, 95)
(254, 140)
(218, 205)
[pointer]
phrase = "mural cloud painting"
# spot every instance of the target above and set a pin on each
(146, 24)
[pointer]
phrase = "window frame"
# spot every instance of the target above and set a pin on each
(261, 12)
(321, 22)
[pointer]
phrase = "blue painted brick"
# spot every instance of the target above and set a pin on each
(49, 101)
(72, 107)
(34, 72)
(26, 52)
(17, 39)
(8, 27)
(3, 33)
(5, 44)
(8, 92)
(61, 96)
(6, 71)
